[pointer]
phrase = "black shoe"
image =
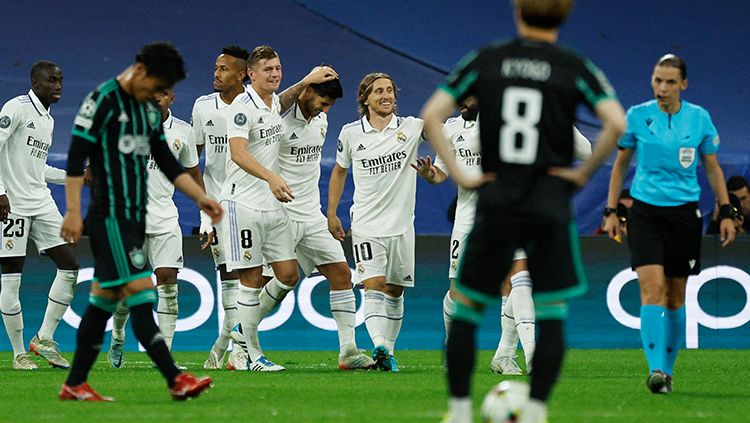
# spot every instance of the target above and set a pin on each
(657, 382)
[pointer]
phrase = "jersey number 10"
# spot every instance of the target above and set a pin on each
(516, 123)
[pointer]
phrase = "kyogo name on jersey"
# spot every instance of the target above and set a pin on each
(384, 164)
(306, 154)
(39, 149)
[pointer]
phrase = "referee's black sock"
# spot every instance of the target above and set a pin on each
(149, 336)
(88, 343)
(460, 354)
(548, 357)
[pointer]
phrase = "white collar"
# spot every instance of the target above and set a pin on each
(257, 101)
(168, 122)
(366, 127)
(38, 104)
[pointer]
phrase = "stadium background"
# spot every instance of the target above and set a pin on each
(417, 43)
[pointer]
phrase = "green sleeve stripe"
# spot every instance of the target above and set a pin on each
(591, 97)
(464, 84)
(76, 133)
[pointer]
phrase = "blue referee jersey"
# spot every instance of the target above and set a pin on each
(668, 148)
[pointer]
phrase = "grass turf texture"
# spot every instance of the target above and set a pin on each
(597, 385)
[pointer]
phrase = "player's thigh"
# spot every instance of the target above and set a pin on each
(218, 252)
(164, 250)
(400, 259)
(243, 235)
(683, 235)
(14, 236)
(278, 243)
(117, 246)
(45, 231)
(554, 261)
(316, 246)
(370, 256)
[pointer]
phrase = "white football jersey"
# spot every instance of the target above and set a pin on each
(161, 212)
(299, 162)
(385, 185)
(210, 129)
(467, 149)
(249, 117)
(25, 139)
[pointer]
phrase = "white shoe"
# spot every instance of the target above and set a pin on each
(215, 360)
(238, 338)
(262, 364)
(355, 360)
(505, 365)
(24, 362)
(116, 353)
(49, 350)
(238, 359)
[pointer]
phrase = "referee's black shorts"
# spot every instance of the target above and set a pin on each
(117, 246)
(670, 236)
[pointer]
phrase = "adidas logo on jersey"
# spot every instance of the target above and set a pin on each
(407, 278)
(361, 148)
(293, 137)
(460, 138)
(260, 120)
(31, 125)
(123, 118)
(210, 123)
(179, 260)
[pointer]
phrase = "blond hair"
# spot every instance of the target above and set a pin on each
(365, 89)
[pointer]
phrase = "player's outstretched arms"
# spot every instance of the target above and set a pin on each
(335, 190)
(426, 168)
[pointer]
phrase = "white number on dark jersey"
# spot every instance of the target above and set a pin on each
(515, 123)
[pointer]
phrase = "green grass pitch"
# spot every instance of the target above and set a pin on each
(596, 386)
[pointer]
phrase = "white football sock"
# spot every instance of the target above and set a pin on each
(460, 410)
(119, 319)
(273, 294)
(534, 411)
(394, 308)
(229, 292)
(509, 335)
(10, 307)
(59, 298)
(167, 309)
(448, 307)
(344, 310)
(248, 311)
(524, 314)
(376, 319)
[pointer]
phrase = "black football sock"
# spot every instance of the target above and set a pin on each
(148, 335)
(88, 343)
(460, 353)
(548, 357)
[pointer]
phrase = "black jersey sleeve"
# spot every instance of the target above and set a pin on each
(80, 150)
(168, 164)
(461, 83)
(93, 115)
(593, 84)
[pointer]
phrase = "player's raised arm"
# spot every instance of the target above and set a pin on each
(317, 75)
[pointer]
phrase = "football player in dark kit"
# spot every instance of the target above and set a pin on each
(117, 127)
(528, 89)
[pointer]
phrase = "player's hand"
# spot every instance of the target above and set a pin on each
(320, 74)
(206, 231)
(211, 208)
(574, 175)
(72, 227)
(425, 168)
(612, 227)
(727, 232)
(87, 176)
(335, 228)
(280, 189)
(4, 207)
(473, 183)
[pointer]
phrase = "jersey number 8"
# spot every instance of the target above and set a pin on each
(522, 110)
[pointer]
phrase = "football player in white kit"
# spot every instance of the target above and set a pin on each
(163, 243)
(27, 210)
(257, 229)
(305, 127)
(209, 134)
(379, 147)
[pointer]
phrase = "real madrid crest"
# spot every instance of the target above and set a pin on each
(177, 144)
(361, 269)
(323, 133)
(247, 256)
(9, 244)
(216, 252)
(401, 137)
(454, 265)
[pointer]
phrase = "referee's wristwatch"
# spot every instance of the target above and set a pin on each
(728, 211)
(608, 211)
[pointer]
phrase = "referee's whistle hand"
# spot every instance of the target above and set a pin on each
(72, 227)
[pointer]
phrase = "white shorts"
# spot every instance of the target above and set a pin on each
(217, 245)
(315, 246)
(164, 249)
(250, 236)
(392, 257)
(458, 245)
(43, 229)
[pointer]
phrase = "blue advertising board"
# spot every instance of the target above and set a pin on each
(717, 311)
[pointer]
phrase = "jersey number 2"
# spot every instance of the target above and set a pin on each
(519, 136)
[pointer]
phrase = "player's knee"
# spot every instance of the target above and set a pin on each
(394, 290)
(340, 277)
(288, 277)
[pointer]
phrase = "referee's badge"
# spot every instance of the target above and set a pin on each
(401, 137)
(137, 258)
(9, 244)
(687, 156)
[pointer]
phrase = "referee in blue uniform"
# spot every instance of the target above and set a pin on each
(664, 225)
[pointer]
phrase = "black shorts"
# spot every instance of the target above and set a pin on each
(117, 245)
(553, 254)
(670, 236)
